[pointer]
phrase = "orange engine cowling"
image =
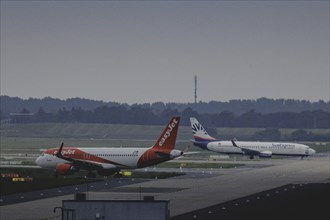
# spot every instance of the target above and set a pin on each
(65, 169)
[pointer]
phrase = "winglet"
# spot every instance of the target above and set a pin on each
(234, 144)
(186, 149)
(59, 152)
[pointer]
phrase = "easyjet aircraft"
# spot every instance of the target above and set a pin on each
(107, 161)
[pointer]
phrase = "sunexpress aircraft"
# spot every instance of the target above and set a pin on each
(252, 148)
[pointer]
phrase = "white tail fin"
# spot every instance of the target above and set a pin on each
(199, 132)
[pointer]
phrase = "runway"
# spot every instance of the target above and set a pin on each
(199, 189)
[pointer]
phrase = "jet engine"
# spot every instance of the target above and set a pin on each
(265, 154)
(175, 153)
(66, 169)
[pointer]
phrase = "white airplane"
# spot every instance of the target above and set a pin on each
(108, 161)
(252, 148)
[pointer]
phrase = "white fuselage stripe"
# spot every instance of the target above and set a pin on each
(275, 148)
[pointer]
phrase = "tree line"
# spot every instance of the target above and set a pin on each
(237, 107)
(146, 116)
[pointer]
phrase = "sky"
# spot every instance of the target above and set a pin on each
(150, 51)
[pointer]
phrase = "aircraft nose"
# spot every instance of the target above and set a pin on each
(312, 151)
(38, 160)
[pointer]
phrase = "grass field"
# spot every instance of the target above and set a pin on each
(31, 139)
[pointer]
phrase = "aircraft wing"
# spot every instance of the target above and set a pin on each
(245, 150)
(59, 155)
(252, 152)
(191, 152)
(185, 152)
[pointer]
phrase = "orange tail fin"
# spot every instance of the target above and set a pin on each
(168, 137)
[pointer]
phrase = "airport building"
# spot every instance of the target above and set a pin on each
(146, 209)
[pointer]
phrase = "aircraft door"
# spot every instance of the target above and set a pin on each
(87, 156)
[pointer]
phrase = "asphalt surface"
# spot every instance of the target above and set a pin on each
(199, 190)
(293, 201)
(101, 185)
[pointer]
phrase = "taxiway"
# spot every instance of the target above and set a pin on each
(199, 189)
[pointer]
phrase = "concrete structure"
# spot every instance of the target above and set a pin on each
(147, 209)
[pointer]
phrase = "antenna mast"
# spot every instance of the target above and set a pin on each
(195, 89)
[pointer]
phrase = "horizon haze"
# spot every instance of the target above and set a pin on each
(150, 51)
